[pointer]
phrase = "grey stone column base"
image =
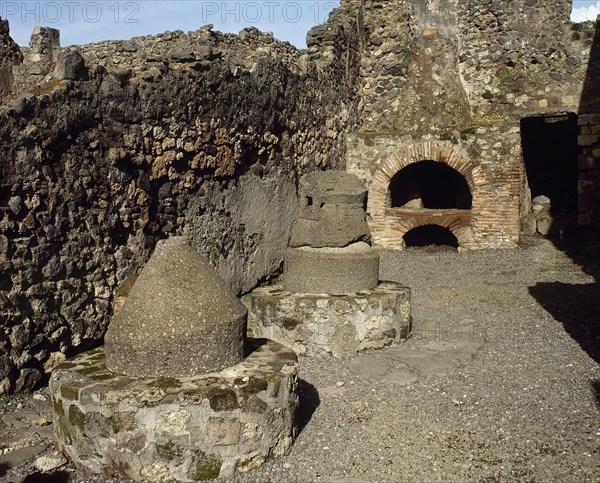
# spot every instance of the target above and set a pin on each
(331, 270)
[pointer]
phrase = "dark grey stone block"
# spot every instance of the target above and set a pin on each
(331, 270)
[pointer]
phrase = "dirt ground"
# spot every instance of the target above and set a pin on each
(500, 382)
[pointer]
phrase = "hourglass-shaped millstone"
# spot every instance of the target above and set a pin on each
(332, 211)
(328, 250)
(180, 319)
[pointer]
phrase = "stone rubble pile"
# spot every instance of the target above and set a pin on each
(540, 219)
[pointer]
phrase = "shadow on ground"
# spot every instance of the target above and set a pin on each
(577, 308)
(58, 477)
(308, 403)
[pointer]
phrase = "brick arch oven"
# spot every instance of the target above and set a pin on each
(437, 186)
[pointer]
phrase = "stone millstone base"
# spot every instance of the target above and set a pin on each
(331, 270)
(184, 429)
(341, 325)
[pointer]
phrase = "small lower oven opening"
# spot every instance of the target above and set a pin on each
(431, 237)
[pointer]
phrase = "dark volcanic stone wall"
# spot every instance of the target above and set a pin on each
(203, 134)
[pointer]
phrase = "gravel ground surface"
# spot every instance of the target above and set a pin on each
(520, 401)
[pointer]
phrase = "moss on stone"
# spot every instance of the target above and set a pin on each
(103, 377)
(97, 355)
(86, 371)
(70, 391)
(124, 421)
(256, 385)
(169, 451)
(76, 417)
(165, 383)
(66, 434)
(276, 380)
(57, 406)
(253, 404)
(405, 333)
(390, 333)
(222, 399)
(194, 396)
(206, 467)
(289, 323)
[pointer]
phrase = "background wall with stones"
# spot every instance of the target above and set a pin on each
(108, 147)
(468, 72)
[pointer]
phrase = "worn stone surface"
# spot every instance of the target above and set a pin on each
(404, 366)
(331, 270)
(529, 225)
(332, 211)
(340, 325)
(545, 224)
(541, 200)
(183, 429)
(179, 319)
(50, 461)
(71, 66)
(246, 237)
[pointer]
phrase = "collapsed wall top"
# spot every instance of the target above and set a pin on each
(332, 211)
(180, 319)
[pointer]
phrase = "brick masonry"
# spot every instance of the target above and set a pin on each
(494, 182)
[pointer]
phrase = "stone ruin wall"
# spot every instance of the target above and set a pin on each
(467, 73)
(10, 55)
(108, 147)
(497, 59)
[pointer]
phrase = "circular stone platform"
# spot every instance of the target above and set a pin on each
(184, 429)
(340, 324)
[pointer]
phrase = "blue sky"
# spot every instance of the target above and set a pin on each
(83, 21)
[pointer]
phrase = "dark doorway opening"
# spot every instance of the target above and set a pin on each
(430, 184)
(430, 235)
(550, 155)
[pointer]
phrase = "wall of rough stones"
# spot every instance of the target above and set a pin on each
(511, 59)
(467, 72)
(106, 148)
